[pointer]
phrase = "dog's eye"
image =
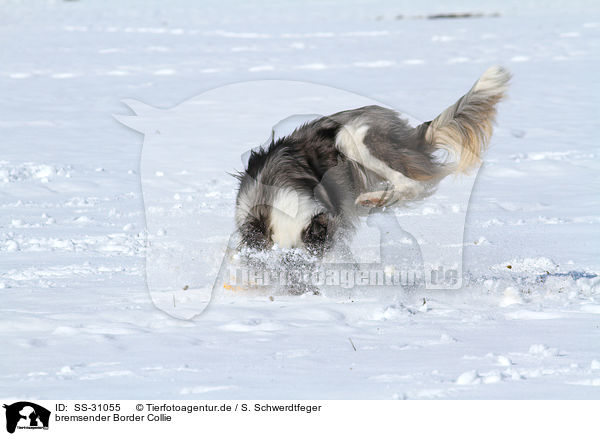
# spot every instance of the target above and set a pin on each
(315, 235)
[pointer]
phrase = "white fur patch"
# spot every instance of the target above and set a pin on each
(350, 142)
(290, 215)
(493, 80)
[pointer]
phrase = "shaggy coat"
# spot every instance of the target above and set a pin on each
(308, 189)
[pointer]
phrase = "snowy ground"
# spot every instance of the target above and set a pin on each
(76, 317)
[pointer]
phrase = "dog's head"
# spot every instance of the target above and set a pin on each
(270, 216)
(284, 202)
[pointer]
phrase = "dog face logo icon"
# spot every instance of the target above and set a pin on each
(26, 415)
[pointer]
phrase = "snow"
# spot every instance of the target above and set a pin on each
(77, 320)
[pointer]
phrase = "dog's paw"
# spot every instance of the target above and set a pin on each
(373, 199)
(406, 192)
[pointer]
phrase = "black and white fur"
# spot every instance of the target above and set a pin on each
(308, 188)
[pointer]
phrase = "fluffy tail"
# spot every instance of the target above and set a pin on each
(465, 128)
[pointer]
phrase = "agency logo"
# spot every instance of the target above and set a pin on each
(26, 415)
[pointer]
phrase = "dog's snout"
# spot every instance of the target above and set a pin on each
(287, 239)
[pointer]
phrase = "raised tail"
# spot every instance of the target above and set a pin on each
(465, 128)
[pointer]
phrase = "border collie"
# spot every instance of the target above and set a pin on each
(308, 189)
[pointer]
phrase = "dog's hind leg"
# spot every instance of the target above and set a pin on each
(364, 141)
(383, 143)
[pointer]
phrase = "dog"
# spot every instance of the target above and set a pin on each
(308, 190)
